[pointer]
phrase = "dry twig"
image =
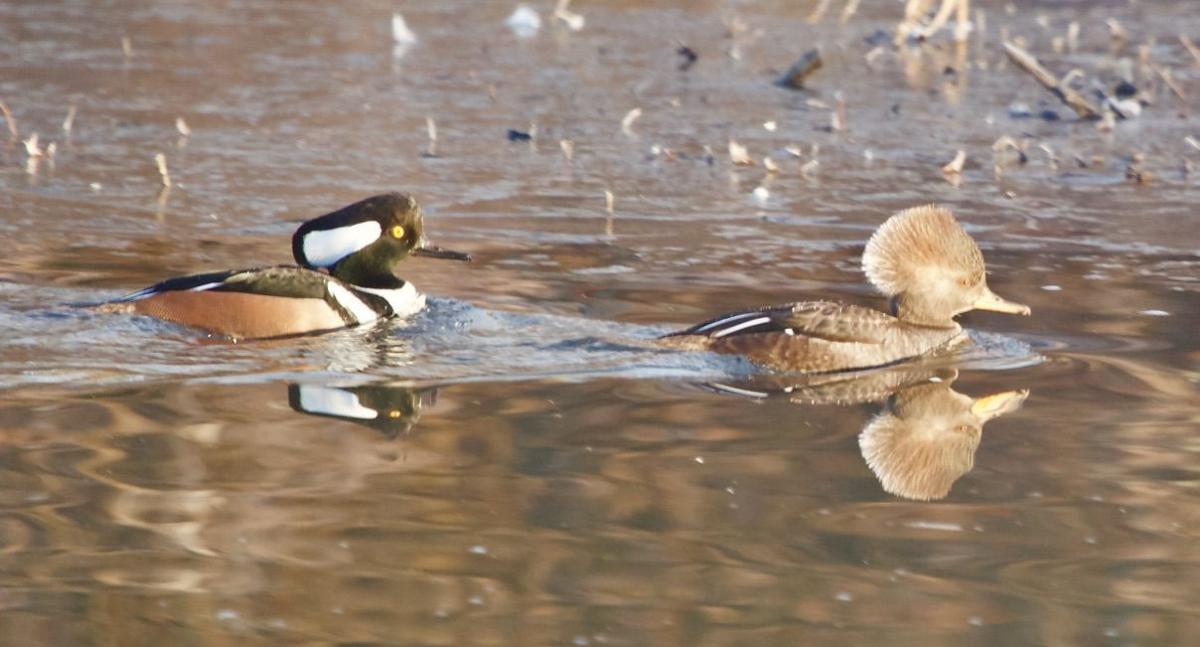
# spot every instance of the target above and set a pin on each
(69, 122)
(1190, 47)
(8, 119)
(1059, 89)
(161, 161)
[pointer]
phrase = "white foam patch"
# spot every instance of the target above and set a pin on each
(325, 247)
(334, 402)
(405, 301)
(357, 308)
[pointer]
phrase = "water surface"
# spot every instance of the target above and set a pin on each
(531, 475)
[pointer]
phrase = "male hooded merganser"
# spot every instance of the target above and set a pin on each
(358, 245)
(921, 258)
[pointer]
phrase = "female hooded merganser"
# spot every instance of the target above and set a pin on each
(358, 245)
(921, 258)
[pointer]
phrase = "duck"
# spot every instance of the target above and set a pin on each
(921, 258)
(343, 277)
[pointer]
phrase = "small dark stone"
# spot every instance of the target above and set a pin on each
(878, 37)
(689, 57)
(949, 71)
(1019, 111)
(518, 136)
(1125, 89)
(1048, 115)
(800, 70)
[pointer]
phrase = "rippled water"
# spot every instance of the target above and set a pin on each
(511, 466)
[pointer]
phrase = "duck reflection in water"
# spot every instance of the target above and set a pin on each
(925, 437)
(390, 410)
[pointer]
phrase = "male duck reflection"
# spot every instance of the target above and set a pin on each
(359, 246)
(921, 258)
(390, 410)
(925, 437)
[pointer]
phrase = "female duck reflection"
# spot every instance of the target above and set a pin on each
(923, 440)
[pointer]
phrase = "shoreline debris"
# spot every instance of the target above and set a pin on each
(160, 160)
(914, 26)
(431, 130)
(803, 68)
(69, 121)
(689, 57)
(627, 121)
(1190, 47)
(574, 21)
(8, 120)
(952, 171)
(401, 34)
(1059, 88)
(739, 155)
(524, 22)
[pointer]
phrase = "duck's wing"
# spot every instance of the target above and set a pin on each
(280, 281)
(824, 320)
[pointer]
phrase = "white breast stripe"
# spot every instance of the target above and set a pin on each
(743, 326)
(325, 247)
(361, 312)
(405, 301)
(333, 402)
(727, 320)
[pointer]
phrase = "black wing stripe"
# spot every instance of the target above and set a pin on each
(193, 282)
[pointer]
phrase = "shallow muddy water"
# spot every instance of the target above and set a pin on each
(511, 466)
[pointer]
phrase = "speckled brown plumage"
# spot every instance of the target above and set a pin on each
(920, 257)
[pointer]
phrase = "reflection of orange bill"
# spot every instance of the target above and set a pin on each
(991, 406)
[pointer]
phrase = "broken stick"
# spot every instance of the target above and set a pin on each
(1062, 91)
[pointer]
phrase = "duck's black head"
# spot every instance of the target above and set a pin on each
(362, 243)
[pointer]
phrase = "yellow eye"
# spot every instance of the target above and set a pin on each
(397, 232)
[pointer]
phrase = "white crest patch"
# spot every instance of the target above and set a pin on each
(357, 308)
(333, 402)
(405, 301)
(325, 247)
